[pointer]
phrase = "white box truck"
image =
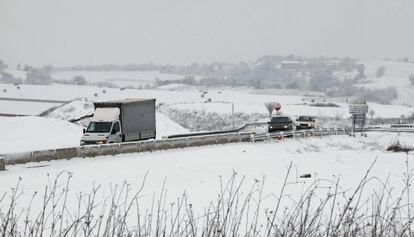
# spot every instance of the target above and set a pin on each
(121, 121)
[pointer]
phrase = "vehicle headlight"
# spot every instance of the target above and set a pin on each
(101, 142)
(82, 143)
(285, 126)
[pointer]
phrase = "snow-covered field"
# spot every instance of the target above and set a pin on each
(197, 171)
(245, 101)
(396, 75)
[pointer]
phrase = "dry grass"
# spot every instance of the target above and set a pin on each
(233, 213)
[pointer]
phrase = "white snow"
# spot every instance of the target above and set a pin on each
(396, 75)
(244, 100)
(73, 110)
(198, 170)
(37, 133)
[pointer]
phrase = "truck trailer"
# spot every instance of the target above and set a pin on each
(121, 121)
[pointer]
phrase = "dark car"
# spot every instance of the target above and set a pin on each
(305, 122)
(280, 123)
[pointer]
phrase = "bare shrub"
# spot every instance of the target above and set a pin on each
(411, 79)
(380, 71)
(323, 209)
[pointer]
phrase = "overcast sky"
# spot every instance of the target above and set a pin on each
(67, 32)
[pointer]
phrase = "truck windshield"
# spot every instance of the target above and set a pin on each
(96, 127)
(280, 120)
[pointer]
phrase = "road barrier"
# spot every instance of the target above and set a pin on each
(122, 148)
(171, 143)
(300, 133)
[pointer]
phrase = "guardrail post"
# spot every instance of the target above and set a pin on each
(294, 134)
(313, 132)
(2, 164)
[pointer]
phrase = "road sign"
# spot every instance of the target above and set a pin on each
(278, 106)
(358, 110)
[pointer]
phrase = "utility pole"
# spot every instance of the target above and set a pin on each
(232, 112)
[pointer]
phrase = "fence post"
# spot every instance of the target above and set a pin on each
(294, 134)
(313, 132)
(2, 164)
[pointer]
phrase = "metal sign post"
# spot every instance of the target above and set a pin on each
(358, 110)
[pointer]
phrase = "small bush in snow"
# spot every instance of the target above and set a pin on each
(380, 72)
(79, 80)
(411, 78)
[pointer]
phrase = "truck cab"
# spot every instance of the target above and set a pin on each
(104, 127)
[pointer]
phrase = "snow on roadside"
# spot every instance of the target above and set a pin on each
(37, 133)
(166, 126)
(198, 170)
(73, 110)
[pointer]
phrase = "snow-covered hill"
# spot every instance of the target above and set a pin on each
(245, 101)
(396, 74)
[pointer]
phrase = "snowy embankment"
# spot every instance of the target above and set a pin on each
(198, 171)
(38, 133)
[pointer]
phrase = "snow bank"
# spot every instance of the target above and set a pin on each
(166, 126)
(73, 110)
(37, 133)
(198, 171)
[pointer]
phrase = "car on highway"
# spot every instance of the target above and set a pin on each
(280, 123)
(305, 122)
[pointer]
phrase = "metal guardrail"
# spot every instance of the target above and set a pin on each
(301, 133)
(237, 130)
(35, 100)
(122, 148)
(174, 143)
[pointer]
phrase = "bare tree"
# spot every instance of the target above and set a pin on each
(411, 78)
(380, 72)
(371, 114)
(79, 80)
